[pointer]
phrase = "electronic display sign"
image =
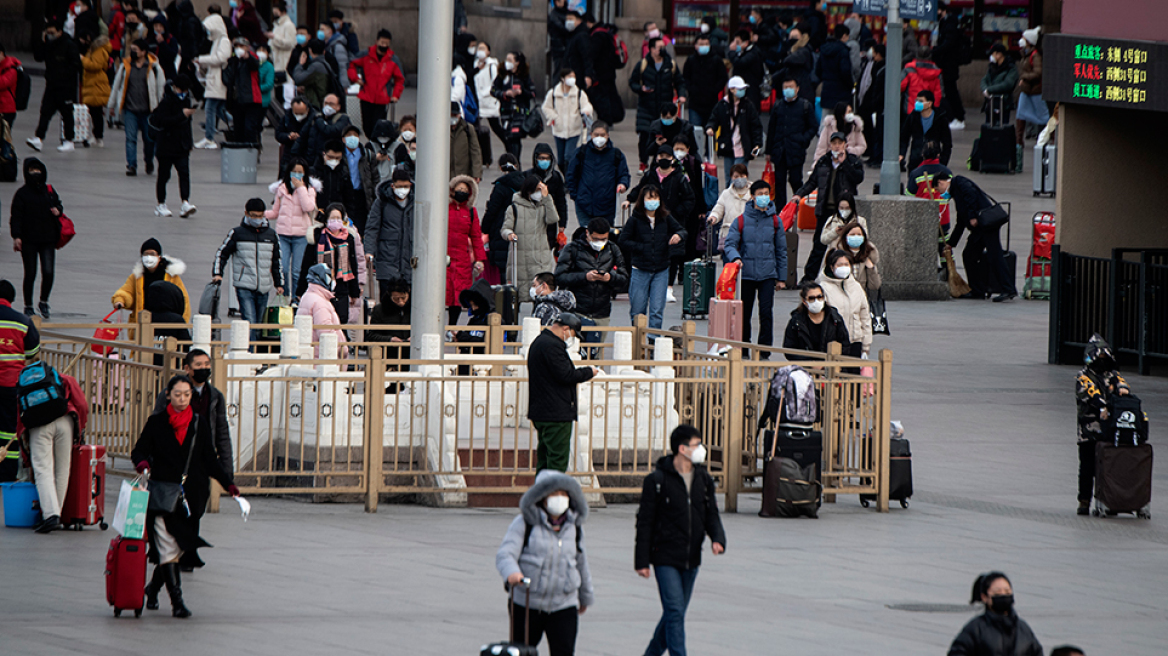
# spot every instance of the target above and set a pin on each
(1105, 72)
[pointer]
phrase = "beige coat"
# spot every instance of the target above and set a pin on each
(215, 61)
(856, 142)
(283, 42)
(829, 236)
(849, 298)
(729, 207)
(562, 111)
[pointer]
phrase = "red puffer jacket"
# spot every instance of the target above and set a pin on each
(8, 85)
(921, 75)
(380, 73)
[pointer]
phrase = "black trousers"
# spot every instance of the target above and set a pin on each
(9, 118)
(97, 118)
(874, 135)
(248, 121)
(952, 95)
(794, 177)
(818, 248)
(560, 628)
(182, 166)
(484, 136)
(765, 291)
(47, 255)
(985, 263)
(52, 102)
(371, 113)
(1086, 470)
(646, 146)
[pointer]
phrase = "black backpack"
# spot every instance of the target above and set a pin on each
(40, 395)
(23, 89)
(1128, 420)
(334, 81)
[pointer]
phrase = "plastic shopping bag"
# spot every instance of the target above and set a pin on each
(130, 515)
(727, 285)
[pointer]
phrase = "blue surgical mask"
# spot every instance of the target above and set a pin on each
(738, 49)
(320, 34)
(543, 164)
(741, 93)
(753, 19)
(652, 204)
(788, 94)
(855, 241)
(296, 175)
(762, 201)
(703, 50)
(667, 121)
(301, 39)
(919, 106)
(233, 4)
(946, 195)
(352, 142)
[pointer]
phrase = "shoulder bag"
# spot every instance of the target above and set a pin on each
(994, 216)
(165, 497)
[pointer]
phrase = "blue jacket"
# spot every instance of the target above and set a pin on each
(761, 247)
(593, 177)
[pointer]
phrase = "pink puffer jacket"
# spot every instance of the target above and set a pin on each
(293, 213)
(317, 302)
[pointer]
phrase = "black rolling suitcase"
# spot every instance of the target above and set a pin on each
(506, 299)
(995, 150)
(512, 648)
(900, 482)
(1123, 465)
(983, 266)
(803, 445)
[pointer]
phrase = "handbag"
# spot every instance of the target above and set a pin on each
(879, 313)
(768, 174)
(165, 496)
(727, 285)
(105, 334)
(788, 214)
(68, 230)
(993, 216)
(130, 515)
(209, 301)
(280, 313)
(532, 122)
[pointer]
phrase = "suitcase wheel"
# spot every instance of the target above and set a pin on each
(138, 613)
(103, 525)
(863, 502)
(117, 612)
(1095, 512)
(1144, 514)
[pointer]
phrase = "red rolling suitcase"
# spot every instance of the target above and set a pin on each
(85, 501)
(125, 575)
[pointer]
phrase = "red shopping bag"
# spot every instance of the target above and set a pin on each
(106, 334)
(727, 285)
(788, 214)
(768, 175)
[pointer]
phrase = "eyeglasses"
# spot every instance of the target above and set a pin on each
(815, 298)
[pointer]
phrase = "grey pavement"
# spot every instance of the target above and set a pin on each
(992, 428)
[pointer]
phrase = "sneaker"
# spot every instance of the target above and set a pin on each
(162, 210)
(29, 311)
(66, 147)
(644, 167)
(187, 209)
(1004, 297)
(669, 297)
(212, 145)
(44, 308)
(1084, 508)
(35, 143)
(956, 125)
(131, 171)
(202, 143)
(99, 143)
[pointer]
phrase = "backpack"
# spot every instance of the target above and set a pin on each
(23, 89)
(1128, 421)
(40, 395)
(798, 491)
(795, 388)
(529, 527)
(470, 102)
(620, 51)
(351, 42)
(333, 84)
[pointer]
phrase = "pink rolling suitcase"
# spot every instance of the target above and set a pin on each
(726, 319)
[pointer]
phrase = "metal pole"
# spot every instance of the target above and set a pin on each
(890, 168)
(436, 18)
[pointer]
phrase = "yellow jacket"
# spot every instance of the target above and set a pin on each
(132, 296)
(95, 84)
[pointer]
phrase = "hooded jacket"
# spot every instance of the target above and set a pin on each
(313, 76)
(552, 380)
(32, 219)
(529, 220)
(549, 308)
(165, 302)
(384, 82)
(593, 177)
(336, 186)
(799, 64)
(389, 235)
(555, 183)
(677, 193)
(919, 75)
(483, 79)
(292, 212)
(992, 634)
(790, 131)
(593, 298)
(95, 83)
(798, 334)
(155, 84)
(673, 522)
(464, 241)
(503, 190)
(241, 78)
(731, 204)
(760, 245)
(750, 66)
(1000, 80)
(132, 296)
(854, 131)
(308, 146)
(373, 147)
(647, 246)
(255, 258)
(62, 64)
(282, 42)
(466, 155)
(555, 561)
(189, 30)
(849, 298)
(19, 341)
(215, 61)
(562, 110)
(661, 83)
(317, 302)
(834, 67)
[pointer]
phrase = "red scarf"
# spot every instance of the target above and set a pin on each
(180, 422)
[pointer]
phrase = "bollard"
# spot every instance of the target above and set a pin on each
(303, 324)
(240, 335)
(201, 332)
(328, 346)
(289, 343)
(622, 349)
(431, 350)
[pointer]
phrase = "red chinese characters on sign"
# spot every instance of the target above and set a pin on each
(1088, 72)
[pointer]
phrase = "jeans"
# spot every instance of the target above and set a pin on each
(560, 628)
(647, 290)
(182, 166)
(47, 254)
(50, 448)
(216, 109)
(675, 587)
(565, 152)
(699, 121)
(583, 217)
(728, 163)
(765, 291)
(291, 255)
(136, 122)
(251, 307)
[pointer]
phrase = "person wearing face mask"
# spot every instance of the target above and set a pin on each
(336, 49)
(543, 167)
(747, 63)
(272, 111)
(312, 72)
(845, 213)
(138, 87)
(558, 32)
(719, 40)
(799, 65)
(502, 192)
(549, 301)
(379, 148)
(652, 31)
(567, 111)
(651, 240)
(336, 246)
(731, 203)
(925, 124)
(835, 174)
(152, 267)
(986, 266)
(1031, 107)
(393, 310)
(317, 302)
(842, 119)
(1000, 79)
(757, 240)
(552, 406)
(593, 269)
(171, 121)
(62, 74)
(244, 18)
(656, 80)
(464, 243)
(212, 65)
(871, 96)
(921, 74)
(244, 93)
(598, 168)
(332, 121)
(332, 178)
(298, 134)
(465, 51)
(814, 324)
(1096, 386)
(685, 161)
(545, 545)
(95, 85)
(999, 631)
(282, 37)
(389, 232)
(35, 225)
(211, 406)
(677, 198)
(254, 250)
(466, 157)
(164, 301)
(293, 209)
(400, 147)
(705, 77)
(679, 509)
(525, 223)
(853, 240)
(834, 68)
(515, 91)
(362, 176)
(303, 37)
(736, 126)
(382, 82)
(484, 69)
(791, 128)
(846, 295)
(670, 126)
(8, 75)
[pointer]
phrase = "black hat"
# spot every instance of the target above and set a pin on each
(569, 320)
(255, 205)
(455, 108)
(998, 47)
(7, 291)
(151, 244)
(664, 149)
(838, 135)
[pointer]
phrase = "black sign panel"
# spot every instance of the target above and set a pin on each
(1105, 72)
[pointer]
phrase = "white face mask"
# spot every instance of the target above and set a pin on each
(413, 155)
(815, 307)
(262, 56)
(698, 455)
(845, 213)
(509, 65)
(570, 82)
(401, 192)
(332, 163)
(558, 505)
(1022, 43)
(653, 34)
(598, 245)
(531, 293)
(149, 261)
(680, 154)
(849, 117)
(871, 53)
(471, 51)
(382, 140)
(481, 54)
(570, 25)
(407, 135)
(328, 110)
(599, 141)
(300, 117)
(536, 196)
(240, 52)
(454, 120)
(740, 183)
(842, 272)
(705, 28)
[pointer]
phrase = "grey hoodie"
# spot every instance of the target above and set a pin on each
(559, 573)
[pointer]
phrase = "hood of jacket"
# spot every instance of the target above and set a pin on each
(474, 187)
(186, 9)
(385, 192)
(481, 293)
(164, 297)
(384, 128)
(216, 29)
(543, 149)
(174, 266)
(926, 69)
(549, 481)
(34, 162)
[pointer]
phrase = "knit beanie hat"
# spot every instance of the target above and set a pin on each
(255, 205)
(151, 245)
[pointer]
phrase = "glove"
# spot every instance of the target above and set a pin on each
(233, 490)
(142, 467)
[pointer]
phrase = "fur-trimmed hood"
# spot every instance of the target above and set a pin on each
(474, 187)
(174, 267)
(549, 481)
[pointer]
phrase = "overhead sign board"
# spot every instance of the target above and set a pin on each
(909, 9)
(1105, 72)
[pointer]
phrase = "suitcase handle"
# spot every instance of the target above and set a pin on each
(526, 583)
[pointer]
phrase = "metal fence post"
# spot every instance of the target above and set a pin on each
(375, 426)
(640, 324)
(495, 334)
(883, 429)
(688, 330)
(735, 429)
(1053, 355)
(831, 427)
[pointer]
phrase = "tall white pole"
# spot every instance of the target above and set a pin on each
(431, 193)
(890, 167)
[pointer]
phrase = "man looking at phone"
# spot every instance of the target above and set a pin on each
(594, 271)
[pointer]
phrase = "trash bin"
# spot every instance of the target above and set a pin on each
(20, 504)
(239, 163)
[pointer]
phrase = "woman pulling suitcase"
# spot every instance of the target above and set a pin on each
(175, 448)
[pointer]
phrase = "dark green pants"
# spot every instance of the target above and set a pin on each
(555, 445)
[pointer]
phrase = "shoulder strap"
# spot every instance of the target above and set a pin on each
(741, 224)
(191, 451)
(579, 537)
(528, 528)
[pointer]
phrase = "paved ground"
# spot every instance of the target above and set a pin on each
(992, 429)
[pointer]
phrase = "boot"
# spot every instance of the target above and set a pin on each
(154, 587)
(1020, 152)
(174, 588)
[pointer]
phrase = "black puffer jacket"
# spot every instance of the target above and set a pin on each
(661, 84)
(501, 194)
(671, 523)
(745, 116)
(175, 126)
(389, 235)
(677, 194)
(32, 219)
(648, 247)
(991, 634)
(593, 298)
(307, 145)
(790, 131)
(798, 334)
(705, 77)
(553, 378)
(62, 64)
(847, 180)
(748, 65)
